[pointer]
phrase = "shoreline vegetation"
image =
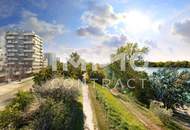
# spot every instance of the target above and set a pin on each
(167, 64)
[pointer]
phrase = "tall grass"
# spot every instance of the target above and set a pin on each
(118, 116)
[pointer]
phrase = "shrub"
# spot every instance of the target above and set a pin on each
(10, 118)
(171, 87)
(164, 115)
(44, 75)
(60, 109)
(59, 90)
(12, 115)
(22, 100)
(53, 116)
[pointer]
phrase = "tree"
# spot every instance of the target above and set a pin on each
(59, 68)
(130, 49)
(44, 75)
(171, 87)
(115, 73)
(73, 72)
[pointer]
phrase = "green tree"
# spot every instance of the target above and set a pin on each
(59, 68)
(44, 75)
(171, 87)
(114, 72)
(73, 72)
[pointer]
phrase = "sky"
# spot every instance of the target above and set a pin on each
(96, 28)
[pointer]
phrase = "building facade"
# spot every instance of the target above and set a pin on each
(52, 60)
(24, 53)
(1, 59)
(2, 64)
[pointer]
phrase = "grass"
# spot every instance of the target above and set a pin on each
(145, 111)
(160, 119)
(99, 113)
(116, 112)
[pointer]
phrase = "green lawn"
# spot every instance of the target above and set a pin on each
(119, 118)
(165, 123)
(143, 110)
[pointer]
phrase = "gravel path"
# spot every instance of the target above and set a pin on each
(89, 124)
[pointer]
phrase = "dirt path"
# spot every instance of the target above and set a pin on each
(147, 122)
(89, 124)
(8, 91)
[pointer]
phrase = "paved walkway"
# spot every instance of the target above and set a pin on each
(87, 109)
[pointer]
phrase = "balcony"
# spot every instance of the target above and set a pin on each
(28, 50)
(12, 59)
(12, 50)
(28, 42)
(10, 37)
(10, 45)
(28, 59)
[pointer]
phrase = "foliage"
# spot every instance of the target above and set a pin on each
(59, 90)
(165, 116)
(44, 75)
(182, 64)
(22, 100)
(11, 117)
(171, 87)
(97, 75)
(130, 49)
(119, 118)
(59, 68)
(74, 72)
(114, 73)
(60, 109)
(52, 116)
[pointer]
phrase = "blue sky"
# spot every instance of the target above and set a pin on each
(95, 28)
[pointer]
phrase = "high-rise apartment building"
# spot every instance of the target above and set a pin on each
(52, 61)
(24, 53)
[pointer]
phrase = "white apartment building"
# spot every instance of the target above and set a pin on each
(24, 53)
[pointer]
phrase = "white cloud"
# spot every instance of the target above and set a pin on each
(97, 20)
(30, 22)
(47, 30)
(182, 29)
(90, 31)
(101, 16)
(115, 40)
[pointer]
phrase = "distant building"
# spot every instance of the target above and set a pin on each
(45, 62)
(2, 59)
(24, 53)
(51, 57)
(58, 59)
(2, 64)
